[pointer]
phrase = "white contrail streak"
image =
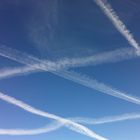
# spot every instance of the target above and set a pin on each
(106, 120)
(19, 132)
(56, 125)
(105, 57)
(16, 71)
(120, 26)
(93, 84)
(70, 124)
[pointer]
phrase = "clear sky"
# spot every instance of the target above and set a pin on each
(55, 29)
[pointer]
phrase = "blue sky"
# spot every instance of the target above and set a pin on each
(56, 29)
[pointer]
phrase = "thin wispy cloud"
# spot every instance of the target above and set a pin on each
(120, 26)
(68, 123)
(42, 24)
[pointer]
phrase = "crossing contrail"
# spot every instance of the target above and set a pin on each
(56, 125)
(101, 58)
(33, 65)
(68, 123)
(73, 76)
(120, 26)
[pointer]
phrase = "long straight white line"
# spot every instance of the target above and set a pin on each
(105, 57)
(94, 84)
(56, 125)
(90, 83)
(70, 124)
(120, 26)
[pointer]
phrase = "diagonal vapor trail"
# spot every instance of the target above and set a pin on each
(68, 123)
(95, 85)
(56, 125)
(73, 76)
(120, 26)
(101, 58)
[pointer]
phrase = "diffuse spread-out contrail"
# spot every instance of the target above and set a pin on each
(90, 83)
(120, 26)
(70, 124)
(56, 125)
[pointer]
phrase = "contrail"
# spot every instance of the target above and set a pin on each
(70, 124)
(73, 76)
(30, 60)
(94, 84)
(56, 125)
(16, 71)
(65, 63)
(120, 26)
(106, 120)
(18, 132)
